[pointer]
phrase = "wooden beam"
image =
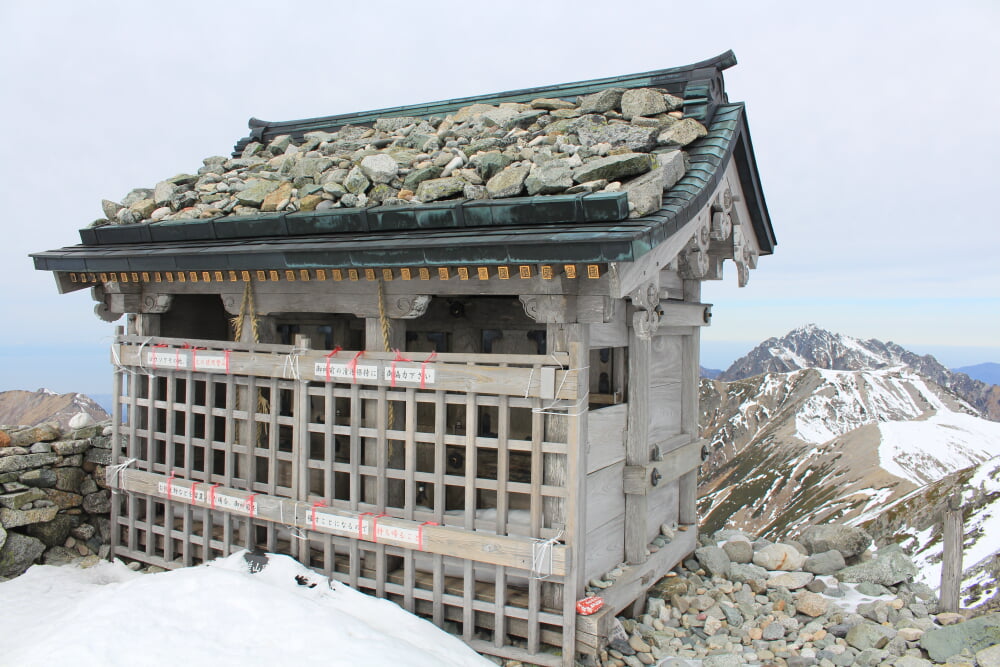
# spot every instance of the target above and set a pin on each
(684, 314)
(639, 479)
(370, 369)
(509, 551)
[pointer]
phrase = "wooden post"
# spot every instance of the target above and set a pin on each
(116, 443)
(687, 510)
(300, 471)
(951, 558)
(637, 442)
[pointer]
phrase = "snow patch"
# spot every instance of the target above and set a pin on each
(214, 614)
(927, 450)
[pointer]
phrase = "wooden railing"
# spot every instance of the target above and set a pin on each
(440, 481)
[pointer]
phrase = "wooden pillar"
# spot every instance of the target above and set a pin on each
(687, 508)
(300, 447)
(637, 440)
(951, 557)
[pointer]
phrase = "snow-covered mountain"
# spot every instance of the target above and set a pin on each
(813, 347)
(811, 446)
(27, 408)
(817, 427)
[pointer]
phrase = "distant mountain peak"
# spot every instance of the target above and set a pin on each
(811, 346)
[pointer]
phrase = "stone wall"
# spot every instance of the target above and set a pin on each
(54, 501)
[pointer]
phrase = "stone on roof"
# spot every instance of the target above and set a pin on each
(612, 140)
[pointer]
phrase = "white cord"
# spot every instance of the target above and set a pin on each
(541, 556)
(116, 473)
(291, 365)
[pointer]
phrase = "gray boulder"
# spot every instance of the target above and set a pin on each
(18, 553)
(490, 163)
(641, 139)
(439, 188)
(739, 551)
(790, 580)
(52, 533)
(848, 540)
(43, 478)
(975, 634)
(887, 570)
(645, 193)
(549, 178)
(642, 102)
(779, 557)
(255, 192)
(42, 433)
(714, 560)
(868, 635)
(682, 133)
(602, 101)
(418, 176)
(508, 183)
(614, 167)
(826, 562)
(741, 573)
(356, 181)
(13, 518)
(379, 168)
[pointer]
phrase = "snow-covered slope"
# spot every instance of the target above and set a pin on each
(211, 615)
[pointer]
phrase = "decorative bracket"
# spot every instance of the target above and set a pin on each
(646, 296)
(645, 323)
(549, 308)
(408, 307)
(104, 309)
(157, 303)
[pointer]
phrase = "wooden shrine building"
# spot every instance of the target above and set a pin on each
(446, 353)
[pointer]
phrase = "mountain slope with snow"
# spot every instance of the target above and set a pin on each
(914, 522)
(789, 450)
(27, 408)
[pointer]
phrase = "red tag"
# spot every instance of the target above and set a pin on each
(353, 365)
(211, 495)
(392, 373)
(420, 533)
(423, 369)
(333, 353)
(194, 485)
(588, 606)
(318, 503)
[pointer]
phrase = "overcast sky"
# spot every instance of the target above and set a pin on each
(874, 126)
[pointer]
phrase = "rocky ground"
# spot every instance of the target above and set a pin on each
(612, 140)
(825, 599)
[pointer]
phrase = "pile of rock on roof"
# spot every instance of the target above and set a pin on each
(612, 140)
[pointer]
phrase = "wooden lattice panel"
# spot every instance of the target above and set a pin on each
(312, 443)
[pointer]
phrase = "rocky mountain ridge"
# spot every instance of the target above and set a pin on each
(35, 407)
(813, 347)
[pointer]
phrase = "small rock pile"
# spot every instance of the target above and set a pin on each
(54, 500)
(822, 600)
(613, 140)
